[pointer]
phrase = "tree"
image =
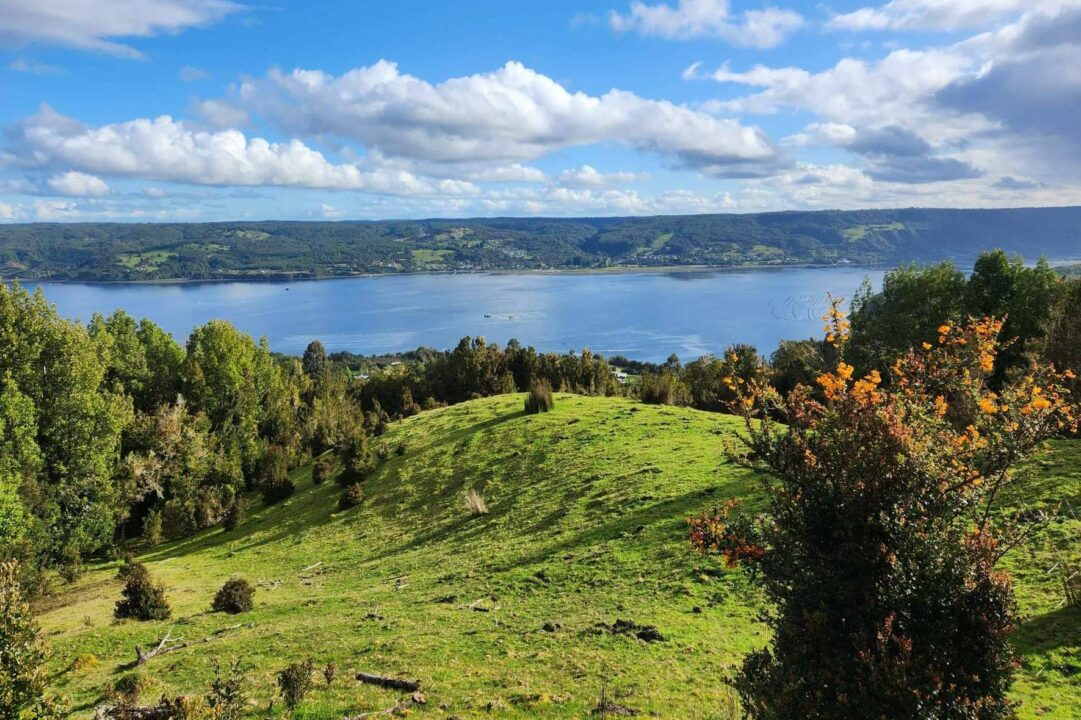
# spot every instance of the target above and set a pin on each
(879, 547)
(314, 361)
(22, 678)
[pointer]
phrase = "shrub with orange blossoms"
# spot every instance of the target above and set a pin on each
(878, 548)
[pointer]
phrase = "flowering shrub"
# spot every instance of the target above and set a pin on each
(877, 549)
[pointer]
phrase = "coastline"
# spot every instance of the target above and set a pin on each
(613, 270)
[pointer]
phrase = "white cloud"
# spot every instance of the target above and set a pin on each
(7, 212)
(189, 73)
(220, 114)
(764, 28)
(936, 15)
(588, 176)
(169, 150)
(94, 25)
(512, 173)
(32, 67)
(513, 114)
(77, 184)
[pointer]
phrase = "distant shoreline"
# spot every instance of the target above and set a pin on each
(614, 270)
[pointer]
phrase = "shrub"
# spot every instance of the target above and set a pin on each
(353, 496)
(143, 599)
(400, 448)
(236, 514)
(330, 671)
(129, 567)
(356, 460)
(152, 530)
(227, 698)
(323, 468)
(382, 453)
(661, 388)
(22, 679)
(277, 489)
(234, 597)
(475, 503)
(539, 399)
(876, 549)
(294, 682)
(128, 688)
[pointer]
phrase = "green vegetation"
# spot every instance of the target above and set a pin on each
(586, 527)
(103, 252)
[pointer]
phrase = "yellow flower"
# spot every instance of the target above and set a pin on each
(844, 371)
(987, 362)
(988, 405)
(944, 329)
(940, 406)
(927, 346)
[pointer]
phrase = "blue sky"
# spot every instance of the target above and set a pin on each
(140, 110)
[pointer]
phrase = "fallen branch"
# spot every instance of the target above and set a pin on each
(389, 682)
(417, 699)
(144, 656)
(311, 567)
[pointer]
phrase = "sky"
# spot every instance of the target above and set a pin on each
(194, 110)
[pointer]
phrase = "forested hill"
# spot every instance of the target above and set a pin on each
(115, 251)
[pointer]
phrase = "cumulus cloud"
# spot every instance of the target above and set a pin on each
(512, 173)
(764, 28)
(935, 14)
(74, 24)
(513, 114)
(7, 212)
(588, 176)
(77, 184)
(1031, 91)
(169, 150)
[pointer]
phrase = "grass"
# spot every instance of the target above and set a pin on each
(148, 261)
(502, 612)
(859, 232)
(431, 258)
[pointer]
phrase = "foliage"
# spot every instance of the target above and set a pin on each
(876, 550)
(587, 523)
(356, 460)
(145, 251)
(330, 671)
(353, 496)
(662, 388)
(323, 468)
(539, 399)
(22, 678)
(235, 596)
(129, 687)
(294, 682)
(273, 475)
(143, 598)
(227, 698)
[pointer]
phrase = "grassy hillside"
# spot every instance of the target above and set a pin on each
(505, 612)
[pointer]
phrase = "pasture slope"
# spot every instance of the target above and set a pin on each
(510, 614)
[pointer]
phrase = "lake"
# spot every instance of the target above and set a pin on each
(643, 315)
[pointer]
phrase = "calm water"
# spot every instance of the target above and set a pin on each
(645, 316)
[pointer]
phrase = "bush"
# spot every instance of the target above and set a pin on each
(330, 671)
(22, 678)
(227, 699)
(143, 599)
(294, 682)
(236, 514)
(539, 399)
(356, 459)
(323, 468)
(152, 530)
(353, 496)
(475, 503)
(400, 449)
(277, 489)
(662, 388)
(128, 688)
(235, 596)
(875, 549)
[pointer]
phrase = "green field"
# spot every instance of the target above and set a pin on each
(501, 615)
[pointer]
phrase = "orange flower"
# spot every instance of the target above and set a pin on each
(940, 406)
(987, 362)
(988, 404)
(844, 371)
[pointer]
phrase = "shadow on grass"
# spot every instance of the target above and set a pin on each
(1045, 633)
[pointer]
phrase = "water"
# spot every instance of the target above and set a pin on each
(646, 316)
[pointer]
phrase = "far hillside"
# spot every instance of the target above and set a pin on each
(579, 578)
(260, 250)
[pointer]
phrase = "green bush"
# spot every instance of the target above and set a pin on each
(236, 514)
(143, 599)
(323, 468)
(234, 597)
(353, 496)
(227, 698)
(128, 688)
(539, 399)
(662, 388)
(294, 682)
